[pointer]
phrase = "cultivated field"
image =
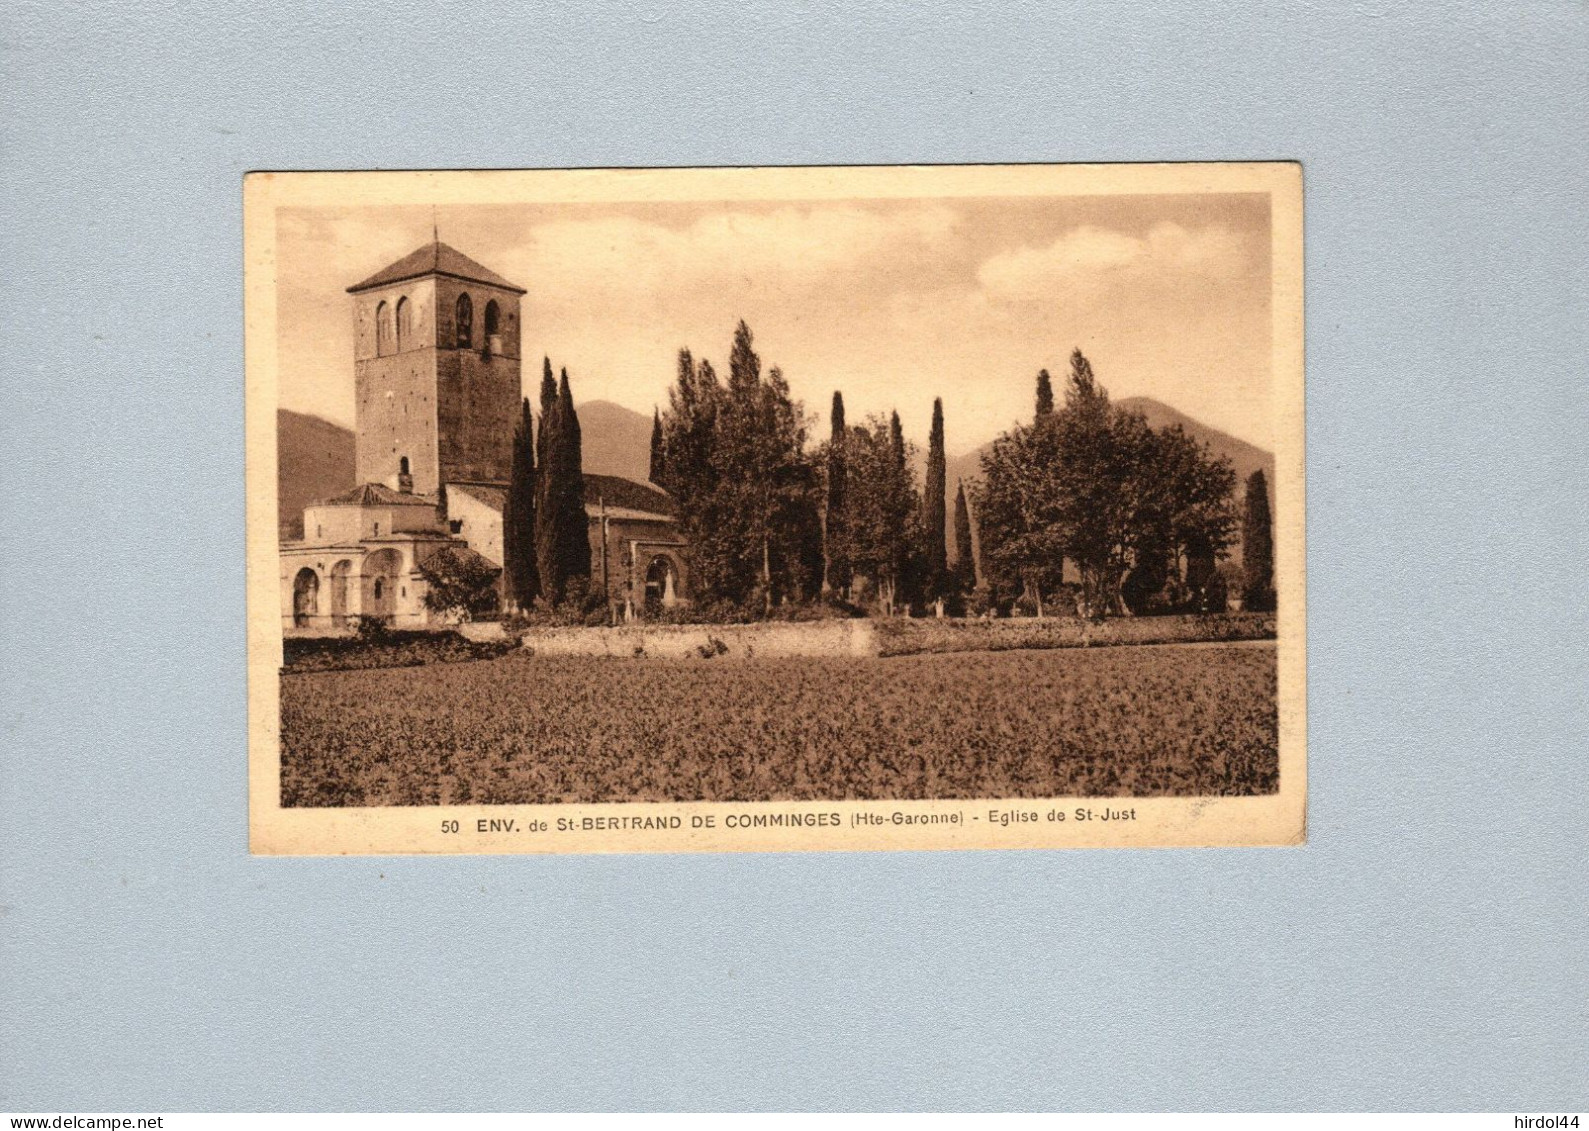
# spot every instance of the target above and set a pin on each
(1115, 722)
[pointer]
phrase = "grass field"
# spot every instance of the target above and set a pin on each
(1138, 722)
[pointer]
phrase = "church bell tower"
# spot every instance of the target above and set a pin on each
(436, 372)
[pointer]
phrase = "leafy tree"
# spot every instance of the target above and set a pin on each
(690, 474)
(459, 582)
(1199, 511)
(1096, 485)
(933, 520)
(746, 489)
(965, 554)
(882, 500)
(1045, 393)
(1017, 513)
(1257, 547)
(1103, 489)
(518, 518)
(657, 472)
(687, 429)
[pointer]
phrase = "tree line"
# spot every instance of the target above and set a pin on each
(1141, 516)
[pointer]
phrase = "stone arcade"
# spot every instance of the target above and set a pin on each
(436, 367)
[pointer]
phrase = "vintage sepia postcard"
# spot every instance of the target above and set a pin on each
(775, 509)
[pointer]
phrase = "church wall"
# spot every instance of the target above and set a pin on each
(477, 404)
(478, 524)
(325, 526)
(411, 520)
(336, 602)
(396, 394)
(631, 546)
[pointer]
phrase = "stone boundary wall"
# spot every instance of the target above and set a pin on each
(481, 631)
(707, 641)
(902, 637)
(897, 637)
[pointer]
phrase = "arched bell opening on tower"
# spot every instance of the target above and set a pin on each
(465, 319)
(405, 324)
(493, 329)
(383, 330)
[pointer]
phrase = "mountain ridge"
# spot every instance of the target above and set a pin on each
(1245, 458)
(316, 455)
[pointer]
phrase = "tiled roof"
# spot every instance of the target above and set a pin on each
(491, 496)
(464, 555)
(593, 512)
(627, 493)
(375, 495)
(435, 259)
(620, 494)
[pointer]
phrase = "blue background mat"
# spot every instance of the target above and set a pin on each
(1426, 949)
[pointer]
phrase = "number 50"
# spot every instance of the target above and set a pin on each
(449, 826)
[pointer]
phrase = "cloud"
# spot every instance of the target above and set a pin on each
(791, 247)
(1091, 258)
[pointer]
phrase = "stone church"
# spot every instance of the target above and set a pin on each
(436, 372)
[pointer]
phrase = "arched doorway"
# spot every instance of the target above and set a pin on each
(379, 591)
(305, 597)
(341, 578)
(662, 582)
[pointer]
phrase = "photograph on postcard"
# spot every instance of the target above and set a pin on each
(764, 509)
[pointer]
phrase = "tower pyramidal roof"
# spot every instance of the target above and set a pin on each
(435, 258)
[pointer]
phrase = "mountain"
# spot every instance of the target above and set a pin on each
(615, 440)
(314, 459)
(315, 456)
(1244, 457)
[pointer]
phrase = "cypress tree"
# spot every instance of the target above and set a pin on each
(518, 516)
(933, 506)
(549, 515)
(548, 403)
(836, 530)
(744, 366)
(1257, 547)
(1045, 394)
(899, 511)
(657, 471)
(965, 554)
(573, 533)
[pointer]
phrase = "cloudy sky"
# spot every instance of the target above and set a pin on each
(892, 301)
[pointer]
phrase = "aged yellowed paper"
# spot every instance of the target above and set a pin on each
(775, 509)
